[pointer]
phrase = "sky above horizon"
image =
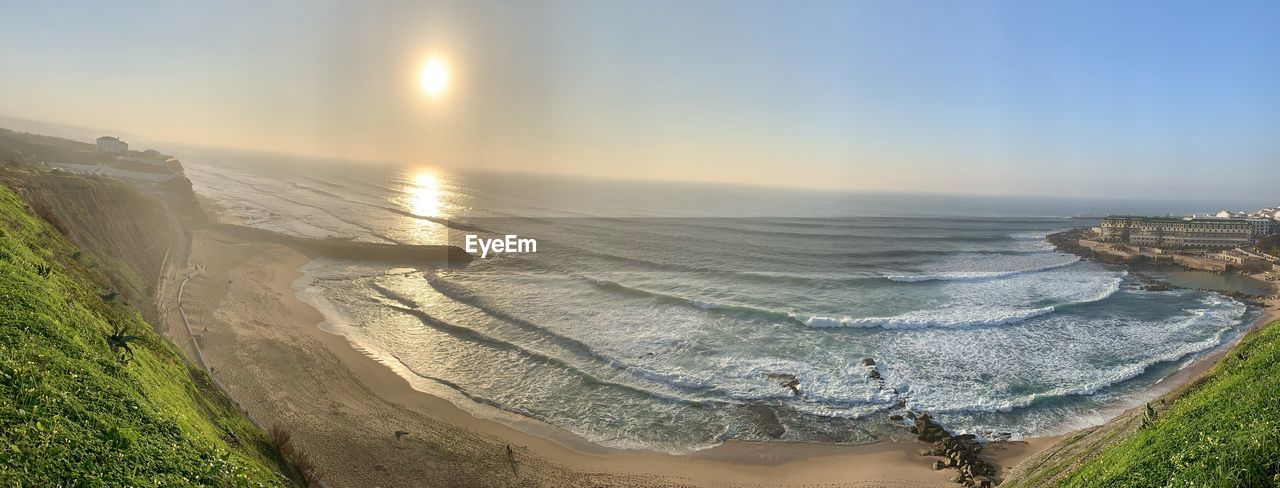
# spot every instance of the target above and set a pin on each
(1081, 98)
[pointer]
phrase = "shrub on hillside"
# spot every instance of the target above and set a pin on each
(44, 211)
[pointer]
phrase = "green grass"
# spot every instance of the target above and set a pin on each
(1223, 432)
(125, 232)
(73, 414)
(1269, 245)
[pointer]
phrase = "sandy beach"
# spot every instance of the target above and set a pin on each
(343, 407)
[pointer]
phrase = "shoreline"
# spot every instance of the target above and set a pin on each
(252, 290)
(1199, 366)
(1268, 305)
(343, 406)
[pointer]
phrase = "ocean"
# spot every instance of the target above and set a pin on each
(675, 316)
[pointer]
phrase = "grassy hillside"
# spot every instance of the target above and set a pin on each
(1269, 245)
(124, 230)
(72, 413)
(1222, 431)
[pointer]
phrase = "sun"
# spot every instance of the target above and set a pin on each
(434, 77)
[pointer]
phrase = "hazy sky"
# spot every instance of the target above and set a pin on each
(1023, 97)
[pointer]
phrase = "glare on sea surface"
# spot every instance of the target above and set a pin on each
(434, 77)
(424, 194)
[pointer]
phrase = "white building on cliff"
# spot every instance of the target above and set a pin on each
(112, 144)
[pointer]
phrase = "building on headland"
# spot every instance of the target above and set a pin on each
(1262, 226)
(1175, 233)
(149, 166)
(1267, 213)
(112, 144)
(1263, 220)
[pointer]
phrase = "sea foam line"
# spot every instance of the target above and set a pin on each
(979, 275)
(904, 321)
(917, 319)
(1115, 377)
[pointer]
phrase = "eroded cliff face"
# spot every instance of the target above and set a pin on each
(89, 394)
(125, 232)
(182, 199)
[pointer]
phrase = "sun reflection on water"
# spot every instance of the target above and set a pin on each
(424, 194)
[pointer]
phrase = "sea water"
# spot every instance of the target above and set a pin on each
(672, 316)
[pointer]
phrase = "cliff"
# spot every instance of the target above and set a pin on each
(177, 193)
(126, 234)
(37, 151)
(126, 227)
(89, 393)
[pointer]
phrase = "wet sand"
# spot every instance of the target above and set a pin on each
(343, 407)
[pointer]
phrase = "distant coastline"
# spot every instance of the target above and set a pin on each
(1070, 242)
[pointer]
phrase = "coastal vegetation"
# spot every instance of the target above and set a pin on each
(74, 412)
(1269, 245)
(1221, 430)
(124, 233)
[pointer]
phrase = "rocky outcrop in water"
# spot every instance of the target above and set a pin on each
(959, 452)
(873, 372)
(766, 421)
(1069, 242)
(786, 380)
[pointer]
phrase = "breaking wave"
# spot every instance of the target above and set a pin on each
(981, 275)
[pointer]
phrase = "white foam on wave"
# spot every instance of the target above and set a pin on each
(1035, 236)
(1214, 316)
(931, 318)
(1083, 389)
(981, 275)
(1111, 289)
(979, 313)
(843, 392)
(705, 305)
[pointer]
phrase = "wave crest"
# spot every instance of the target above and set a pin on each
(979, 275)
(916, 320)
